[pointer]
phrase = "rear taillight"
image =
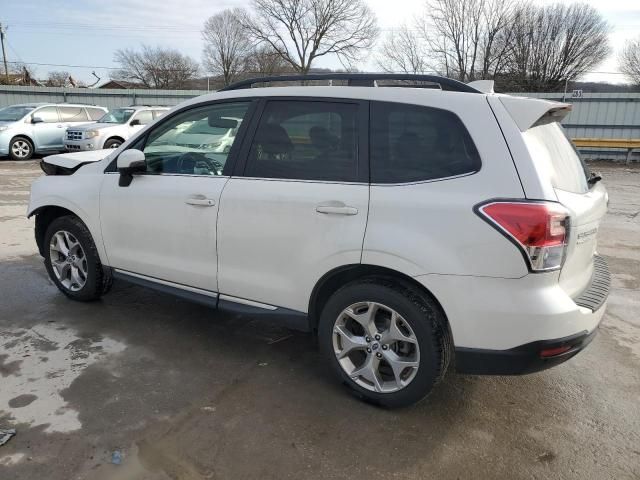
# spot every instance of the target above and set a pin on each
(539, 229)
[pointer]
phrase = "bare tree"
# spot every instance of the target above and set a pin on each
(629, 60)
(301, 31)
(226, 44)
(58, 78)
(402, 51)
(554, 44)
(265, 61)
(466, 39)
(155, 67)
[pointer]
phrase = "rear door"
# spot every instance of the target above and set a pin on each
(298, 206)
(550, 147)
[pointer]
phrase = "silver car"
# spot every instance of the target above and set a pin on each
(40, 127)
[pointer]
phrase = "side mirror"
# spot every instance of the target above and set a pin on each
(129, 162)
(135, 122)
(37, 120)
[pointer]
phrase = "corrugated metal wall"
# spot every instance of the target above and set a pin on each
(11, 95)
(601, 115)
(595, 115)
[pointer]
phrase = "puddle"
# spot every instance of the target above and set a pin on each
(39, 363)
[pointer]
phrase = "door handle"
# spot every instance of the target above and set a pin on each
(200, 201)
(336, 208)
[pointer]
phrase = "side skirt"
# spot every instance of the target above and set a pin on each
(292, 319)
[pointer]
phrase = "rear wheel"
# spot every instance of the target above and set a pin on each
(112, 143)
(20, 148)
(387, 343)
(72, 260)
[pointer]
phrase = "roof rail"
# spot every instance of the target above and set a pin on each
(359, 80)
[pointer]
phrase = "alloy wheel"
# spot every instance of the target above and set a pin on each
(376, 347)
(21, 149)
(68, 260)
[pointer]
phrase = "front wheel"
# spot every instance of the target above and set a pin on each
(20, 148)
(386, 342)
(112, 143)
(72, 260)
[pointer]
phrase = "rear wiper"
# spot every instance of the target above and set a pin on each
(594, 178)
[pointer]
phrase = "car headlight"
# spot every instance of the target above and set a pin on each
(91, 133)
(3, 128)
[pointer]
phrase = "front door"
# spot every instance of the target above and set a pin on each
(47, 133)
(163, 225)
(299, 208)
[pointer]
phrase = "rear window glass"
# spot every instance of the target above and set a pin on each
(550, 147)
(73, 114)
(412, 143)
(95, 113)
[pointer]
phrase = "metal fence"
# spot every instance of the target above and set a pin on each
(594, 115)
(112, 98)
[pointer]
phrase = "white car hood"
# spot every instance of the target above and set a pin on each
(72, 160)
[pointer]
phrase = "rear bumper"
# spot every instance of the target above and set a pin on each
(523, 359)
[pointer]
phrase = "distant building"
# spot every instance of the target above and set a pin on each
(121, 84)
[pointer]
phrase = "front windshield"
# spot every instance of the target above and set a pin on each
(119, 115)
(11, 114)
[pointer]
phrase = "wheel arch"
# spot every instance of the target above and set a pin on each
(114, 137)
(46, 214)
(25, 137)
(331, 281)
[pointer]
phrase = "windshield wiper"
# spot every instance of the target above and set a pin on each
(594, 178)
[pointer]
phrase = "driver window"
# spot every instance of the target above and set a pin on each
(196, 142)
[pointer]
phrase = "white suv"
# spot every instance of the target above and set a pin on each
(412, 229)
(112, 129)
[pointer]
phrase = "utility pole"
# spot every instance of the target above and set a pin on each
(4, 55)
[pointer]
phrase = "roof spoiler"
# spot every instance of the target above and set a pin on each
(526, 112)
(484, 86)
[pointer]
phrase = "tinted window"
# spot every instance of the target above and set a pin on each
(144, 117)
(47, 114)
(411, 143)
(95, 113)
(73, 114)
(305, 140)
(195, 142)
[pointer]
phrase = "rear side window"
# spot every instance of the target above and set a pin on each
(412, 143)
(73, 114)
(95, 113)
(548, 144)
(305, 140)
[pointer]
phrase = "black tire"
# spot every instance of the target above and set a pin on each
(25, 145)
(423, 315)
(98, 278)
(113, 143)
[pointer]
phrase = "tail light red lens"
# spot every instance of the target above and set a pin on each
(539, 229)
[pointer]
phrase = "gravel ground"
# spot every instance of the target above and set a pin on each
(184, 392)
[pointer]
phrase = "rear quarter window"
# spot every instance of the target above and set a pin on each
(551, 149)
(413, 143)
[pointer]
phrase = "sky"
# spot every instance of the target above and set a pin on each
(88, 32)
